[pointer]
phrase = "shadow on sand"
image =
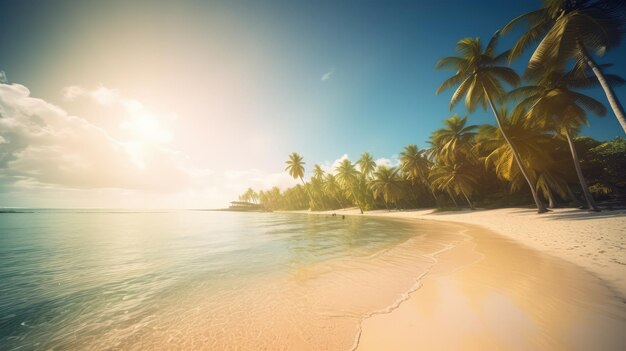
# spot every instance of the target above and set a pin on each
(558, 214)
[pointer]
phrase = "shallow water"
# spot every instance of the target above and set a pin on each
(197, 279)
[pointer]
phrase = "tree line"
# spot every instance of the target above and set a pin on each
(532, 154)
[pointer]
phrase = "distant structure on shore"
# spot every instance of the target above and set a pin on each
(245, 206)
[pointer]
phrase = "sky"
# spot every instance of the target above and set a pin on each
(185, 104)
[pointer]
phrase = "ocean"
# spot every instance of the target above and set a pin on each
(119, 279)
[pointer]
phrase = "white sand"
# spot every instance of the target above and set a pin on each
(593, 241)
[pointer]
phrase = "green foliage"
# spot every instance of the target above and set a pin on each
(536, 143)
(606, 166)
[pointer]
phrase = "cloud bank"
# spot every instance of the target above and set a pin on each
(43, 147)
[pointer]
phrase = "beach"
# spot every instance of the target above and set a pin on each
(521, 281)
(166, 280)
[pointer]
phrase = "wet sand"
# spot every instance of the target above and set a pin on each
(493, 292)
(510, 298)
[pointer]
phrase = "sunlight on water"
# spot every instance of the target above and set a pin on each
(101, 279)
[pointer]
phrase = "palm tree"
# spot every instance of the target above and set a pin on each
(348, 178)
(331, 186)
(295, 167)
(572, 29)
(249, 196)
(415, 165)
(388, 184)
(318, 172)
(455, 179)
(454, 141)
(553, 104)
(533, 143)
(366, 164)
(478, 76)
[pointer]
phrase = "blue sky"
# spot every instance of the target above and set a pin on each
(244, 78)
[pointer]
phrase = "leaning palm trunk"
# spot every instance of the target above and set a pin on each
(608, 90)
(583, 183)
(541, 208)
(356, 200)
(572, 196)
(339, 200)
(456, 204)
(309, 193)
(551, 201)
(468, 200)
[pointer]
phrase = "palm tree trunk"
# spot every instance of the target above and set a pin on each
(583, 183)
(415, 198)
(551, 201)
(308, 192)
(467, 199)
(608, 90)
(339, 200)
(572, 197)
(456, 204)
(432, 191)
(541, 208)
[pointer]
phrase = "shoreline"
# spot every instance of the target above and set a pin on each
(501, 290)
(593, 241)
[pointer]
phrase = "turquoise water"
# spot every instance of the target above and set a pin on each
(99, 279)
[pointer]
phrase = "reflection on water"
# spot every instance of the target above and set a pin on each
(96, 279)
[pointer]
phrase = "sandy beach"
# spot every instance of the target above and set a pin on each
(522, 281)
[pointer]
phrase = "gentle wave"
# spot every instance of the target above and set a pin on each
(212, 280)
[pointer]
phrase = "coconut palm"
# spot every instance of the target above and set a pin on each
(478, 76)
(454, 178)
(415, 166)
(454, 141)
(553, 104)
(295, 167)
(388, 184)
(331, 186)
(573, 29)
(366, 164)
(533, 143)
(250, 196)
(348, 179)
(318, 172)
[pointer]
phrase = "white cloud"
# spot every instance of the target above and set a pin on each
(44, 152)
(3, 77)
(329, 167)
(139, 120)
(328, 75)
(392, 162)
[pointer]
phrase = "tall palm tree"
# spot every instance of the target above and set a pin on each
(295, 167)
(454, 141)
(415, 165)
(366, 164)
(318, 172)
(553, 104)
(478, 76)
(331, 186)
(348, 178)
(388, 184)
(573, 29)
(533, 143)
(454, 178)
